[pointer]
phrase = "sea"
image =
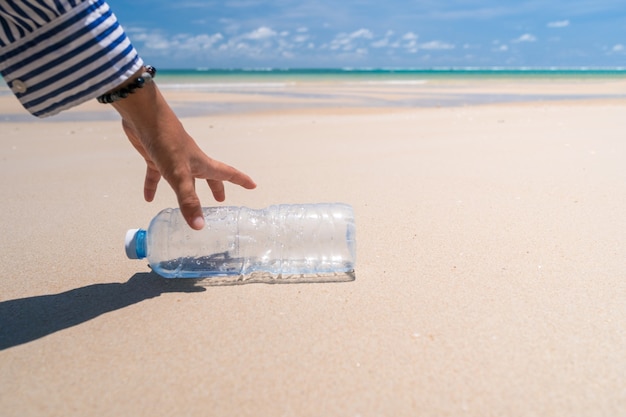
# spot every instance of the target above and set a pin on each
(277, 75)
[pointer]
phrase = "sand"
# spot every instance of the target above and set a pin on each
(489, 281)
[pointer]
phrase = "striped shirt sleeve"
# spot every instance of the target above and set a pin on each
(56, 54)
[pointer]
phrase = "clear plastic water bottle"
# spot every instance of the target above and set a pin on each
(280, 240)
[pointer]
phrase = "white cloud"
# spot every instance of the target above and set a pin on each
(499, 47)
(436, 45)
(362, 33)
(261, 33)
(618, 48)
(156, 41)
(411, 42)
(381, 43)
(267, 42)
(347, 41)
(301, 38)
(558, 24)
(474, 12)
(526, 37)
(207, 41)
(262, 42)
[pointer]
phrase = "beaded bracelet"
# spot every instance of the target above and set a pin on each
(146, 77)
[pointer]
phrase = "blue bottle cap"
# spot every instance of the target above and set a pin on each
(135, 244)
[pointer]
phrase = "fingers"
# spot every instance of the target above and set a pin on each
(189, 202)
(157, 134)
(243, 180)
(219, 172)
(150, 185)
(239, 178)
(216, 171)
(153, 176)
(217, 188)
(180, 161)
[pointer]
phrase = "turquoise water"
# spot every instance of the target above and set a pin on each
(338, 74)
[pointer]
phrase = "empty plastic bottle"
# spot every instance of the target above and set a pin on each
(278, 240)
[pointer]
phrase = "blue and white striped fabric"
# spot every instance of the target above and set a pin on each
(56, 54)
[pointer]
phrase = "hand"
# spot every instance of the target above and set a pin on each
(169, 152)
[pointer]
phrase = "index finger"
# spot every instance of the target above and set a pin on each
(189, 202)
(220, 171)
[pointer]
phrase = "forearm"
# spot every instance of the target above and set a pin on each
(145, 107)
(153, 121)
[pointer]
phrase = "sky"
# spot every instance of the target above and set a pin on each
(376, 33)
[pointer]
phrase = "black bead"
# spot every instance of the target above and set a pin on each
(124, 92)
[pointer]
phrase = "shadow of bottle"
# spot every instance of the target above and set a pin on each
(26, 319)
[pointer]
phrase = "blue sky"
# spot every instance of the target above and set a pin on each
(376, 33)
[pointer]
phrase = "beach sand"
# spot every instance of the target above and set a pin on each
(490, 263)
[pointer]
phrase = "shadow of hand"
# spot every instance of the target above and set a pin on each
(27, 319)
